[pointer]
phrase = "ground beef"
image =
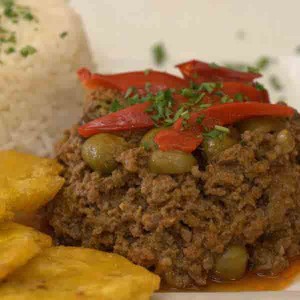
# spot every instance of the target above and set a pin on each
(177, 225)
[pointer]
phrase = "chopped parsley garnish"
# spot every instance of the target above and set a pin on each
(10, 50)
(200, 119)
(159, 54)
(188, 93)
(219, 93)
(63, 34)
(146, 145)
(162, 104)
(115, 106)
(208, 86)
(213, 134)
(263, 63)
(226, 99)
(259, 86)
(275, 82)
(15, 13)
(205, 105)
(222, 129)
(251, 69)
(217, 132)
(27, 51)
(239, 97)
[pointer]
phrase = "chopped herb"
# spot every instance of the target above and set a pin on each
(134, 99)
(115, 106)
(7, 3)
(162, 104)
(200, 119)
(14, 11)
(63, 34)
(213, 134)
(9, 12)
(219, 93)
(159, 54)
(28, 50)
(205, 105)
(222, 129)
(208, 87)
(239, 97)
(259, 86)
(214, 65)
(226, 99)
(10, 50)
(263, 63)
(185, 115)
(28, 16)
(146, 145)
(188, 93)
(275, 82)
(254, 70)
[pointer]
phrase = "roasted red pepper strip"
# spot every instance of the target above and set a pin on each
(248, 92)
(238, 92)
(199, 72)
(131, 118)
(223, 114)
(156, 80)
(90, 81)
(172, 139)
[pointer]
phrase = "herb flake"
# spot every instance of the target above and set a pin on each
(27, 51)
(159, 54)
(275, 82)
(63, 34)
(115, 106)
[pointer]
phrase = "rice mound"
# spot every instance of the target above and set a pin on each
(40, 95)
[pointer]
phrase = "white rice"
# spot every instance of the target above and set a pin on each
(39, 94)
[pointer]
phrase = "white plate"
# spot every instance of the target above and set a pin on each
(122, 33)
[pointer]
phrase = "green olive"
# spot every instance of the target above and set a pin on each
(171, 162)
(148, 139)
(232, 264)
(286, 141)
(100, 150)
(214, 146)
(263, 124)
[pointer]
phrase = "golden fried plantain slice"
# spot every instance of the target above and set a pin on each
(71, 273)
(18, 244)
(27, 182)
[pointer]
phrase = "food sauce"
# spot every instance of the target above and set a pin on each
(252, 282)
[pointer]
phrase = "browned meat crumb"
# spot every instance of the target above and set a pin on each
(176, 225)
